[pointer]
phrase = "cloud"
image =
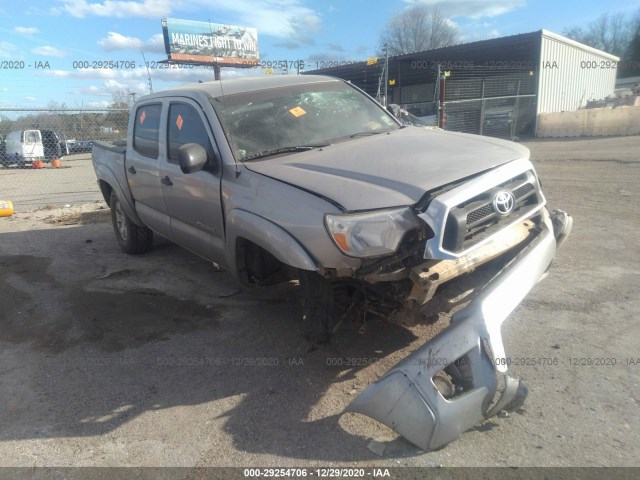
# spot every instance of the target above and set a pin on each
(115, 41)
(470, 8)
(26, 30)
(118, 8)
(109, 87)
(30, 99)
(7, 50)
(336, 47)
(155, 44)
(278, 18)
(475, 30)
(290, 44)
(138, 76)
(48, 51)
(101, 104)
(47, 12)
(328, 57)
(105, 83)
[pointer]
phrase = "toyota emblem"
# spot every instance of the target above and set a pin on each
(503, 202)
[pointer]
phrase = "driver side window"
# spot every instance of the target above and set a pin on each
(185, 126)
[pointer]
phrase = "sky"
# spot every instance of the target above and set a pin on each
(42, 44)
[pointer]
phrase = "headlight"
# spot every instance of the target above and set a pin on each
(370, 234)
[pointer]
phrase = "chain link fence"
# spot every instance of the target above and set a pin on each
(481, 100)
(45, 155)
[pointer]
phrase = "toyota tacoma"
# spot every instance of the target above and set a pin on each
(308, 179)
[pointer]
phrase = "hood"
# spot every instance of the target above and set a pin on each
(389, 169)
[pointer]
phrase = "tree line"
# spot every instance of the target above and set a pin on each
(420, 28)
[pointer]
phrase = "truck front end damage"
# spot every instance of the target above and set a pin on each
(459, 377)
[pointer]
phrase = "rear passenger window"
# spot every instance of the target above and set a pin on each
(146, 130)
(185, 126)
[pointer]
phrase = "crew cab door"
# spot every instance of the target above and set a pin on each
(193, 200)
(143, 168)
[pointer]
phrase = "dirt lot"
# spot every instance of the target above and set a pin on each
(107, 359)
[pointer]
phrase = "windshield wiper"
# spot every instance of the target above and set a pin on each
(278, 151)
(371, 132)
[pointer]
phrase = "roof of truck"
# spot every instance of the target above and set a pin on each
(248, 84)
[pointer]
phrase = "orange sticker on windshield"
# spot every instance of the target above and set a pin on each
(297, 112)
(143, 115)
(179, 122)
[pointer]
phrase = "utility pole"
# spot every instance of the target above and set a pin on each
(386, 74)
(146, 64)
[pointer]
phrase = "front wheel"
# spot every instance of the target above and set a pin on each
(133, 239)
(318, 307)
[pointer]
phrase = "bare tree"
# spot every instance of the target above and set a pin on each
(117, 116)
(609, 32)
(631, 62)
(121, 99)
(418, 28)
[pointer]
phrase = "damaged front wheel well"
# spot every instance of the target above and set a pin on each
(256, 266)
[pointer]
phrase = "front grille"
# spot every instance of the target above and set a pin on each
(480, 213)
(476, 219)
(523, 190)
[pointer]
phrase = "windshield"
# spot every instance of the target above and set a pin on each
(297, 118)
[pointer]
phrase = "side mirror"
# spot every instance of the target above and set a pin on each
(192, 157)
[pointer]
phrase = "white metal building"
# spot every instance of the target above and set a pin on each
(571, 73)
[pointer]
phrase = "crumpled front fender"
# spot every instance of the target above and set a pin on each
(406, 398)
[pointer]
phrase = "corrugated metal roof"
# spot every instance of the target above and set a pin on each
(521, 44)
(524, 47)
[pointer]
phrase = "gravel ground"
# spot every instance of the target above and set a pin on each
(158, 360)
(31, 189)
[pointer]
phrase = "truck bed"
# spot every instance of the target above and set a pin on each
(109, 164)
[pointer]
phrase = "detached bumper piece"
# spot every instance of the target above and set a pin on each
(406, 398)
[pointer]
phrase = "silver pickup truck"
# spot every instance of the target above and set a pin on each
(307, 178)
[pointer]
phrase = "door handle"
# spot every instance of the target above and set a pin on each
(166, 181)
(132, 169)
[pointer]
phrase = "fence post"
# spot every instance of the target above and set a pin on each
(482, 107)
(442, 122)
(515, 112)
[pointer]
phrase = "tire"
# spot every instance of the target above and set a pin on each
(133, 239)
(318, 307)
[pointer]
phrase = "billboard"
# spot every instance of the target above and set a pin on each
(208, 43)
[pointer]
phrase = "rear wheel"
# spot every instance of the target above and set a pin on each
(133, 239)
